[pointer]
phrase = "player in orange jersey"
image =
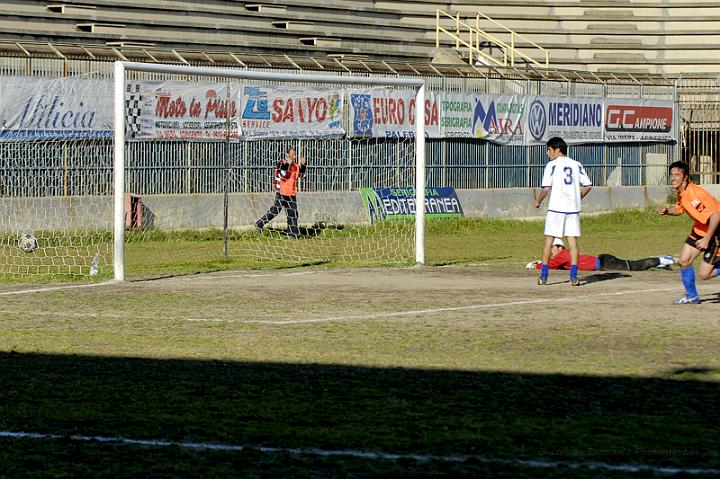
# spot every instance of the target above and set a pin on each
(704, 208)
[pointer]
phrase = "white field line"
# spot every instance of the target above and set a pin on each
(55, 288)
(369, 316)
(372, 455)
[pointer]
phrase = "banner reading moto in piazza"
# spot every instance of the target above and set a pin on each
(181, 111)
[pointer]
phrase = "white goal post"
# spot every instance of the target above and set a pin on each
(120, 145)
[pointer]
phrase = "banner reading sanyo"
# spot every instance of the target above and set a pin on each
(181, 110)
(57, 108)
(277, 112)
(576, 120)
(639, 120)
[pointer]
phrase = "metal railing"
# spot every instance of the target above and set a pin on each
(478, 41)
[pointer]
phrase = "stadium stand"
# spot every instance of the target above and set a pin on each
(648, 37)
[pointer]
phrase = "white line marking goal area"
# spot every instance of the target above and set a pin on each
(356, 317)
(369, 455)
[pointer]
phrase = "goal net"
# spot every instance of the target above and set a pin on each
(172, 170)
(55, 177)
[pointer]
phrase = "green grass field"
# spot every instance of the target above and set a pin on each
(462, 368)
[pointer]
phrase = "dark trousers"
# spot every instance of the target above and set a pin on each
(290, 205)
(608, 261)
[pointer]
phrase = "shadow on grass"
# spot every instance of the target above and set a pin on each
(505, 416)
(597, 277)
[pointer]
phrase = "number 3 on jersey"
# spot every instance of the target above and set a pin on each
(568, 175)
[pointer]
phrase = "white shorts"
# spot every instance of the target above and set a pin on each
(562, 224)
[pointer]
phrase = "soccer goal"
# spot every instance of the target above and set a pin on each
(199, 155)
(160, 169)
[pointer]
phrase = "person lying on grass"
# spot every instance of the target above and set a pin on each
(560, 259)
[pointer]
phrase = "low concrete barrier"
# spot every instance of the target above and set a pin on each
(206, 211)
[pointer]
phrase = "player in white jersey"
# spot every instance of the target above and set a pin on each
(567, 183)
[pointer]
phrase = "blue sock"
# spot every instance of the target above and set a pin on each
(717, 271)
(597, 264)
(573, 271)
(544, 270)
(688, 280)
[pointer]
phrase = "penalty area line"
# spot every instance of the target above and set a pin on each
(55, 288)
(358, 317)
(372, 455)
(452, 308)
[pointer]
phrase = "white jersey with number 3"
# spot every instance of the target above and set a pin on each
(564, 176)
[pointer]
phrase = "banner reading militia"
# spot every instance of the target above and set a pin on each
(55, 108)
(399, 203)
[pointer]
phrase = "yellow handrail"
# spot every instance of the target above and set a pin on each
(514, 34)
(476, 34)
(473, 42)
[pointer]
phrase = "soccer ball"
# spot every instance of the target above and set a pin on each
(28, 243)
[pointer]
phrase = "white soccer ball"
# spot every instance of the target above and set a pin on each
(28, 243)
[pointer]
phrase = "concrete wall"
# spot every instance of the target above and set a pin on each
(206, 211)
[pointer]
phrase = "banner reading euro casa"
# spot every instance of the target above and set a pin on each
(387, 113)
(381, 112)
(399, 203)
(181, 111)
(639, 120)
(576, 120)
(55, 108)
(277, 112)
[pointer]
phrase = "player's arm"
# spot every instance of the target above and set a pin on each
(543, 193)
(713, 222)
(672, 211)
(303, 165)
(585, 190)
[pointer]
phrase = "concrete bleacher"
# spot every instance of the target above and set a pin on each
(662, 37)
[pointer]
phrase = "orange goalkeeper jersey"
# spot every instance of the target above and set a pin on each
(699, 205)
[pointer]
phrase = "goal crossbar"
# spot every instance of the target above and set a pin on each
(121, 68)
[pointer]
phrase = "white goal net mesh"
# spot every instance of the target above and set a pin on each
(202, 161)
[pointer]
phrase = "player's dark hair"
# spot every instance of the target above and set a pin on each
(680, 165)
(557, 143)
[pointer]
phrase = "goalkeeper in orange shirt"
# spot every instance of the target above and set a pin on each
(704, 208)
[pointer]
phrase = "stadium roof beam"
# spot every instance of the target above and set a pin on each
(240, 62)
(119, 54)
(87, 52)
(320, 66)
(56, 51)
(342, 66)
(23, 49)
(292, 62)
(180, 57)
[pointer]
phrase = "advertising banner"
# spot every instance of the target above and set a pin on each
(500, 119)
(399, 203)
(387, 113)
(55, 108)
(181, 111)
(628, 120)
(576, 120)
(277, 112)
